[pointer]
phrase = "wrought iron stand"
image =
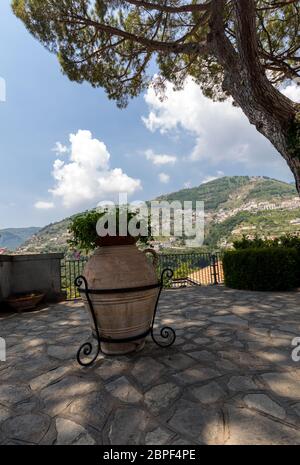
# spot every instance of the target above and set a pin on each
(166, 333)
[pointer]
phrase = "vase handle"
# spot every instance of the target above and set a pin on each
(154, 255)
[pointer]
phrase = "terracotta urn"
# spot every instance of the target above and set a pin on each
(123, 289)
(25, 302)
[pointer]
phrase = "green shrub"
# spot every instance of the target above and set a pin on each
(83, 230)
(262, 269)
(287, 240)
(84, 236)
(290, 241)
(255, 243)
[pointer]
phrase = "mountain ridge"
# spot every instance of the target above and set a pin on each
(231, 204)
(12, 238)
(226, 185)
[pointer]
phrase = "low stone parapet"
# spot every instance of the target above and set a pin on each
(28, 273)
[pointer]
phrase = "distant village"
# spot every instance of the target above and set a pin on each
(255, 207)
(56, 241)
(222, 215)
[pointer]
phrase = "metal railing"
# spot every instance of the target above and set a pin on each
(70, 269)
(195, 269)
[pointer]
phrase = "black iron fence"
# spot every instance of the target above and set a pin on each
(70, 269)
(195, 269)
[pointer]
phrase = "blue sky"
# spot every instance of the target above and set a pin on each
(152, 147)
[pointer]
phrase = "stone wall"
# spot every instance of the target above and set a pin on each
(5, 276)
(27, 273)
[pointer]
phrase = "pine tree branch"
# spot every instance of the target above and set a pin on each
(177, 46)
(191, 8)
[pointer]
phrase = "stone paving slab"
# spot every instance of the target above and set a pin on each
(228, 379)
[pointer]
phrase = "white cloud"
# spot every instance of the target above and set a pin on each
(222, 133)
(164, 178)
(293, 92)
(60, 149)
(209, 178)
(116, 181)
(40, 205)
(160, 159)
(86, 175)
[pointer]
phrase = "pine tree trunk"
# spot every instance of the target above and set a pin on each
(245, 80)
(272, 119)
(295, 167)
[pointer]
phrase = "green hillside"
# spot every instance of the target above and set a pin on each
(51, 238)
(234, 206)
(268, 189)
(11, 238)
(265, 223)
(234, 190)
(213, 193)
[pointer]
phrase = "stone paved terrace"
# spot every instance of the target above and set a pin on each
(229, 379)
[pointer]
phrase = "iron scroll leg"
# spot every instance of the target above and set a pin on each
(166, 332)
(87, 348)
(214, 268)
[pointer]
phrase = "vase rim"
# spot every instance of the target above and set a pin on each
(107, 241)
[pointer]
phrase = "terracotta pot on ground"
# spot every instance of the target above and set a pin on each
(121, 314)
(25, 302)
